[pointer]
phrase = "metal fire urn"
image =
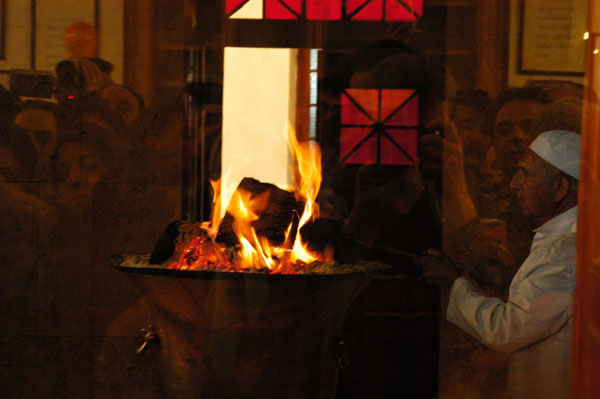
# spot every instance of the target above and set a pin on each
(248, 335)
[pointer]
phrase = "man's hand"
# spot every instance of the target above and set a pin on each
(438, 268)
(443, 157)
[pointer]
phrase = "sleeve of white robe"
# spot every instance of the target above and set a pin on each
(539, 304)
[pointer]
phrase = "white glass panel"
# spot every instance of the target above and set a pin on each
(251, 10)
(259, 100)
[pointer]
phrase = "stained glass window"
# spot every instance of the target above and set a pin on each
(326, 10)
(379, 126)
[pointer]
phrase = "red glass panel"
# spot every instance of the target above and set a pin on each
(233, 5)
(350, 137)
(388, 136)
(365, 10)
(401, 149)
(368, 104)
(324, 9)
(403, 10)
(396, 146)
(400, 107)
(283, 9)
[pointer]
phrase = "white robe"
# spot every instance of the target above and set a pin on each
(535, 323)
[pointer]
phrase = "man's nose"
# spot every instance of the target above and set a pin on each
(521, 134)
(515, 181)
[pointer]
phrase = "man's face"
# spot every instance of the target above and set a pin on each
(534, 186)
(41, 126)
(123, 101)
(79, 169)
(513, 133)
(467, 121)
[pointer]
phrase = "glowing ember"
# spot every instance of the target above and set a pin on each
(198, 248)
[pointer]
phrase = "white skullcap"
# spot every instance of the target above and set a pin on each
(560, 148)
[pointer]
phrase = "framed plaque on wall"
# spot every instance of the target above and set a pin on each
(551, 37)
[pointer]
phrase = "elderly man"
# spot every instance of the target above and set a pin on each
(535, 323)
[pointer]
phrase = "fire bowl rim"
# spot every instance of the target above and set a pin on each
(159, 270)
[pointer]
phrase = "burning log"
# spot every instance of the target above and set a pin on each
(261, 217)
(281, 209)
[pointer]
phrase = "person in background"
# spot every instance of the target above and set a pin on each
(483, 228)
(82, 159)
(558, 89)
(79, 77)
(130, 155)
(394, 210)
(534, 324)
(126, 102)
(19, 174)
(469, 110)
(562, 114)
(85, 83)
(133, 127)
(42, 121)
(130, 106)
(388, 196)
(514, 114)
(495, 241)
(23, 214)
(18, 163)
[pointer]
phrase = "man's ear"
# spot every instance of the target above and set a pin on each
(562, 186)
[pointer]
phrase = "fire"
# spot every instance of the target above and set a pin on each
(308, 159)
(254, 251)
(212, 226)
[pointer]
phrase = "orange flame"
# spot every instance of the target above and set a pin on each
(257, 252)
(245, 209)
(212, 226)
(308, 160)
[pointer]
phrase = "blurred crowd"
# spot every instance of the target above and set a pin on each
(88, 174)
(96, 132)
